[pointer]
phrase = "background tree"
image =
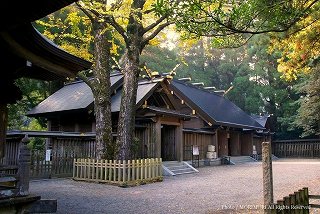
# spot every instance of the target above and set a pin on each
(33, 92)
(299, 59)
(138, 22)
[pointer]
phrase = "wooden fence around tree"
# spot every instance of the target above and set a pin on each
(296, 148)
(122, 173)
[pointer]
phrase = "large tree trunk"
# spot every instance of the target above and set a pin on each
(101, 92)
(3, 127)
(126, 124)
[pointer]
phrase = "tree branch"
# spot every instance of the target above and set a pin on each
(85, 79)
(119, 28)
(245, 30)
(153, 25)
(85, 11)
(155, 33)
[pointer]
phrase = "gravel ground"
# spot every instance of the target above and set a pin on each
(215, 189)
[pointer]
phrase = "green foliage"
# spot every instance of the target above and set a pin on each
(34, 91)
(37, 143)
(309, 104)
(252, 72)
(232, 23)
(70, 29)
(159, 59)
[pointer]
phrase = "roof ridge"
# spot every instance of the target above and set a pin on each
(112, 74)
(195, 87)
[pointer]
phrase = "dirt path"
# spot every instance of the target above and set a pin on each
(218, 189)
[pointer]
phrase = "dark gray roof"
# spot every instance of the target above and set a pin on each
(78, 95)
(144, 91)
(74, 96)
(214, 108)
(261, 119)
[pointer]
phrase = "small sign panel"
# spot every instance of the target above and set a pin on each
(48, 154)
(195, 150)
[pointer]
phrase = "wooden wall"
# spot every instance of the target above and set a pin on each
(300, 148)
(194, 123)
(247, 144)
(147, 136)
(235, 147)
(200, 139)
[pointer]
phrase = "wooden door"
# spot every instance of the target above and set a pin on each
(168, 152)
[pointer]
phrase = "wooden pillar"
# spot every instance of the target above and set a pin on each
(3, 127)
(9, 94)
(216, 143)
(179, 143)
(24, 167)
(158, 138)
(267, 176)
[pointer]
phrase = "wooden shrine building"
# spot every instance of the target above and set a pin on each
(171, 117)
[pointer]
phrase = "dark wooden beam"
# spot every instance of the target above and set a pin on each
(3, 127)
(38, 60)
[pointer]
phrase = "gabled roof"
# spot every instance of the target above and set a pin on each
(214, 108)
(73, 96)
(78, 95)
(261, 119)
(145, 89)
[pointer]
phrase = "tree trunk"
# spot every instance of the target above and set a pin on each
(3, 127)
(101, 92)
(126, 124)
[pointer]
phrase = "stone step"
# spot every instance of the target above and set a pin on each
(182, 170)
(241, 159)
(177, 168)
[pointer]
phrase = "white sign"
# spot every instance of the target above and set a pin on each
(195, 150)
(48, 154)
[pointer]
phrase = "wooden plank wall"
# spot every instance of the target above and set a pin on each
(297, 148)
(147, 137)
(200, 139)
(64, 150)
(11, 151)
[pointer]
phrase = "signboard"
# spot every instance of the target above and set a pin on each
(48, 154)
(195, 150)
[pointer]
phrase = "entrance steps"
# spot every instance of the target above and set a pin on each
(241, 159)
(172, 168)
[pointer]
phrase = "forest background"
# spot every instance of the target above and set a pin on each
(274, 75)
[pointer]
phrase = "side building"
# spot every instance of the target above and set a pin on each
(171, 118)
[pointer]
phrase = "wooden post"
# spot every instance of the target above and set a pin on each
(267, 176)
(179, 143)
(158, 138)
(3, 127)
(24, 167)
